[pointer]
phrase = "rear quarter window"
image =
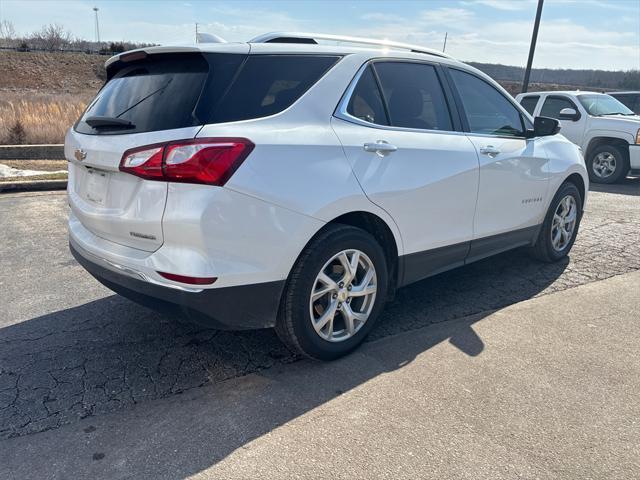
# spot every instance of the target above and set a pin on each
(268, 84)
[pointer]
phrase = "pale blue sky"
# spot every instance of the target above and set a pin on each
(574, 33)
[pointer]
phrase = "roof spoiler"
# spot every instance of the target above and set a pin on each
(209, 38)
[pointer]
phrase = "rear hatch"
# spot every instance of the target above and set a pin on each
(147, 99)
(156, 98)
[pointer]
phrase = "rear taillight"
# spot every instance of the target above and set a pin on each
(144, 162)
(210, 161)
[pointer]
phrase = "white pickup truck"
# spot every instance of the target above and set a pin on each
(607, 131)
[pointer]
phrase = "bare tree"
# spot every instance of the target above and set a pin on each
(51, 37)
(7, 33)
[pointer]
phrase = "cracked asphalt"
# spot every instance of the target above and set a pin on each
(70, 349)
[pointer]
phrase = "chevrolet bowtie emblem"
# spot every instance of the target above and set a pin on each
(80, 154)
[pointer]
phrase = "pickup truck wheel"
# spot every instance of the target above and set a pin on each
(607, 164)
(335, 292)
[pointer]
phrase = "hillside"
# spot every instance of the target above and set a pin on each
(594, 79)
(42, 94)
(79, 72)
(51, 72)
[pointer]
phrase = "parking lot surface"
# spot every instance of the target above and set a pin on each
(71, 350)
(543, 389)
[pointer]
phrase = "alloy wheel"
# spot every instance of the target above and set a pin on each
(564, 223)
(343, 295)
(604, 164)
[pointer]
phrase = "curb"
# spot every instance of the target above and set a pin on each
(33, 186)
(32, 152)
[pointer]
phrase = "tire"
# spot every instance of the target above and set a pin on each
(611, 156)
(298, 313)
(544, 248)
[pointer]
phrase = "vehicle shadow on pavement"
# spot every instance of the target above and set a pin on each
(626, 186)
(141, 368)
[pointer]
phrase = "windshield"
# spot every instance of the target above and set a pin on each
(598, 105)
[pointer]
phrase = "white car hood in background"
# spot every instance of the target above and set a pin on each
(626, 123)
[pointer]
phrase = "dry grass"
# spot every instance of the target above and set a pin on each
(44, 116)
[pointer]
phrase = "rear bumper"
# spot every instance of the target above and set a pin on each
(229, 308)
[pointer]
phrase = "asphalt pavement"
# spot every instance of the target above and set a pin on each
(79, 365)
(544, 389)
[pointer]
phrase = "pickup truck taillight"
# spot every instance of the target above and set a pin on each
(210, 161)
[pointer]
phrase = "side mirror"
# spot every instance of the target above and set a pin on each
(543, 127)
(569, 114)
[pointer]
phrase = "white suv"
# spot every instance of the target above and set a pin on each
(291, 184)
(607, 131)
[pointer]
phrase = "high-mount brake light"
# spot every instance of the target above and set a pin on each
(133, 56)
(210, 161)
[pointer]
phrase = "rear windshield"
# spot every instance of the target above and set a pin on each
(152, 95)
(174, 91)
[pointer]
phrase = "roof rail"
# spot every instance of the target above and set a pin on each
(301, 37)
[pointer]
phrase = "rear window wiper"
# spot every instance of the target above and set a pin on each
(161, 89)
(108, 122)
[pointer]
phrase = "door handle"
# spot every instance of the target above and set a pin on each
(380, 147)
(490, 150)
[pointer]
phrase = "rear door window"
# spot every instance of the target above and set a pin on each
(552, 106)
(268, 84)
(366, 101)
(414, 95)
(529, 103)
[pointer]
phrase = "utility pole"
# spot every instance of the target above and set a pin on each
(444, 47)
(196, 32)
(95, 9)
(532, 48)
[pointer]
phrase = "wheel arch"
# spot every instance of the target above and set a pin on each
(380, 230)
(383, 234)
(578, 181)
(599, 141)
